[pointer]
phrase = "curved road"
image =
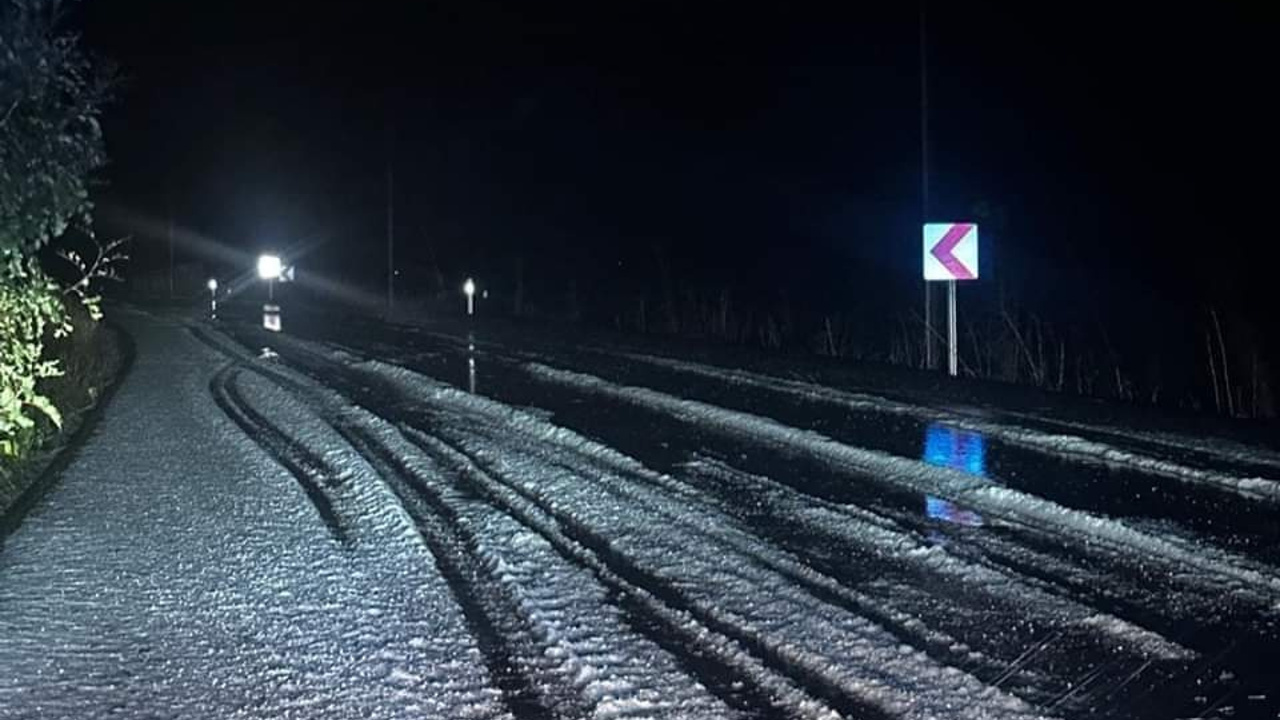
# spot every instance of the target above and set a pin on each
(418, 525)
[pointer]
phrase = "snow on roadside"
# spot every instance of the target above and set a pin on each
(1215, 566)
(1072, 446)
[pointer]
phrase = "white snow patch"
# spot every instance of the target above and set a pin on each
(1143, 641)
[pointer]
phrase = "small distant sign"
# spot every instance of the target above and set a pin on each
(950, 251)
(271, 317)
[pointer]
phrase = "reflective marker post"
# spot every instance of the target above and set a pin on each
(469, 289)
(471, 363)
(270, 268)
(951, 254)
(213, 298)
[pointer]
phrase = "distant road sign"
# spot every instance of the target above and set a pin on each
(271, 317)
(950, 251)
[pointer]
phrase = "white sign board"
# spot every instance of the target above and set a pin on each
(271, 317)
(950, 251)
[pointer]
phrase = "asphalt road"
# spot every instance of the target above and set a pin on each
(357, 519)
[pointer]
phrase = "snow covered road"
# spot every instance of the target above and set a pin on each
(176, 570)
(417, 525)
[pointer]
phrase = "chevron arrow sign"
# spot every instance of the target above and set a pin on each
(950, 251)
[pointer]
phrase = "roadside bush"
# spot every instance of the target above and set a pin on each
(90, 356)
(51, 95)
(30, 306)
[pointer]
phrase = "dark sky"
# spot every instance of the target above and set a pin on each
(1114, 147)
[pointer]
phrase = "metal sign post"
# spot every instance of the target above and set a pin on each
(951, 254)
(953, 351)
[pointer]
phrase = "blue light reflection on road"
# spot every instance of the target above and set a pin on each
(959, 450)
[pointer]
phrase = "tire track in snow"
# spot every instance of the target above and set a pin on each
(898, 545)
(781, 655)
(1073, 571)
(1178, 601)
(1069, 446)
(295, 454)
(1217, 449)
(313, 474)
(500, 629)
(736, 689)
(1129, 485)
(779, 684)
(500, 620)
(1022, 509)
(1088, 678)
(779, 669)
(1041, 434)
(1250, 459)
(1109, 636)
(715, 658)
(993, 593)
(1123, 635)
(892, 547)
(491, 619)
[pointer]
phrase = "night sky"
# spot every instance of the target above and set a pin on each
(1106, 151)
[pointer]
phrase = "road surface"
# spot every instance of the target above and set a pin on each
(370, 521)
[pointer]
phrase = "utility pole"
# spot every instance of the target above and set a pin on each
(391, 218)
(924, 179)
(171, 283)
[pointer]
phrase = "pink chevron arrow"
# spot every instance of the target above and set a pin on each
(942, 251)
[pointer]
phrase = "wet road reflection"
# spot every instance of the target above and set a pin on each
(471, 363)
(959, 450)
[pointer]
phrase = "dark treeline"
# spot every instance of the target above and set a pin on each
(1082, 330)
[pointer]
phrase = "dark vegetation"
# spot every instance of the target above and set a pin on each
(55, 357)
(754, 183)
(1204, 352)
